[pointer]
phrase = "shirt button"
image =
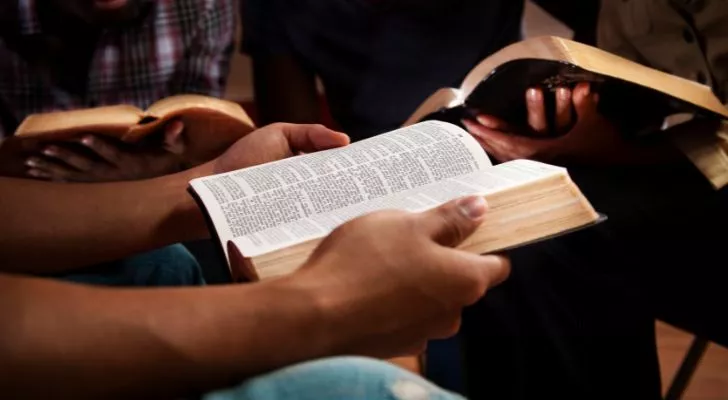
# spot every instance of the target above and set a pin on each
(688, 35)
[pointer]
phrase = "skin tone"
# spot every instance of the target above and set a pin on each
(381, 285)
(74, 27)
(113, 161)
(68, 217)
(584, 136)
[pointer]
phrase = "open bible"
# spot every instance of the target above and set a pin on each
(211, 126)
(633, 96)
(271, 217)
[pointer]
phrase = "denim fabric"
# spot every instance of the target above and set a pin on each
(168, 266)
(343, 378)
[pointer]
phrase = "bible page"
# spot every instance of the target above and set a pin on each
(482, 182)
(244, 203)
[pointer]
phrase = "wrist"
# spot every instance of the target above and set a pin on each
(331, 304)
(184, 220)
(298, 322)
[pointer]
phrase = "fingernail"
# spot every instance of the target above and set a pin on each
(473, 207)
(563, 93)
(532, 94)
(50, 151)
(34, 173)
(177, 128)
(587, 90)
(87, 140)
(485, 121)
(31, 162)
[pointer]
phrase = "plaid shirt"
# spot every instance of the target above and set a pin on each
(181, 46)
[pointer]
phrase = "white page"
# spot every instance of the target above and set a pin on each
(252, 200)
(483, 182)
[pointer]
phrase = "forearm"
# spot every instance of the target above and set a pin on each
(64, 340)
(52, 227)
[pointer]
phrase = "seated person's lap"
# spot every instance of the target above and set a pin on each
(169, 266)
(581, 308)
(337, 378)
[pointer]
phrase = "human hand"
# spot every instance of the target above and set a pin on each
(592, 139)
(274, 142)
(109, 160)
(390, 281)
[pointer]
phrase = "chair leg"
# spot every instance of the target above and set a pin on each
(687, 369)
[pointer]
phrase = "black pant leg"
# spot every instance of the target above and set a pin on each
(576, 318)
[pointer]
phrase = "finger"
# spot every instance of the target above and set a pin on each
(39, 174)
(447, 326)
(563, 109)
(492, 122)
(69, 158)
(414, 349)
(487, 134)
(489, 149)
(490, 140)
(536, 111)
(504, 146)
(103, 148)
(480, 272)
(453, 222)
(585, 102)
(173, 139)
(313, 137)
(52, 170)
(497, 269)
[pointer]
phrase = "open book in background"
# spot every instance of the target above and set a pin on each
(211, 126)
(633, 96)
(269, 218)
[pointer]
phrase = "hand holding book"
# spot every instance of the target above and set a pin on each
(99, 158)
(276, 214)
(590, 139)
(210, 127)
(400, 275)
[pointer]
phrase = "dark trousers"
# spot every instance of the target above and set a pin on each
(576, 318)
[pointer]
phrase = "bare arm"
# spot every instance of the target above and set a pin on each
(376, 287)
(50, 227)
(62, 340)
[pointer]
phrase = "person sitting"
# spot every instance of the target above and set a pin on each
(576, 319)
(374, 287)
(377, 60)
(70, 54)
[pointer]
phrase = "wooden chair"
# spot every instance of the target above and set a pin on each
(687, 369)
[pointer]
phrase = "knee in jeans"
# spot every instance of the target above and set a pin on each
(169, 266)
(337, 378)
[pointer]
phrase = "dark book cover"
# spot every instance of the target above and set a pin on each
(632, 107)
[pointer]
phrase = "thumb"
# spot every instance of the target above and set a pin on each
(173, 141)
(312, 137)
(453, 222)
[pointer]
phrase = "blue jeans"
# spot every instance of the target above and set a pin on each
(345, 378)
(168, 266)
